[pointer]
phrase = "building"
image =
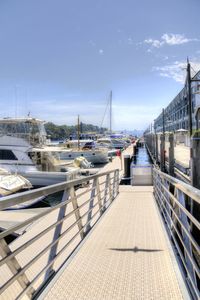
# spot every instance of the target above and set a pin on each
(176, 115)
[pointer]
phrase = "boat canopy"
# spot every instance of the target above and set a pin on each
(30, 129)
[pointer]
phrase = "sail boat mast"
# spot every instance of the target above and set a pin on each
(78, 133)
(110, 111)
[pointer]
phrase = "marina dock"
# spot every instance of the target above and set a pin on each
(103, 241)
(127, 256)
(100, 150)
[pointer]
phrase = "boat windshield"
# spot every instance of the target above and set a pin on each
(33, 131)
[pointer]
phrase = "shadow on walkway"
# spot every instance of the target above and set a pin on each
(135, 250)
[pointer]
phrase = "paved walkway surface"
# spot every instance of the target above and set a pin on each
(181, 154)
(127, 256)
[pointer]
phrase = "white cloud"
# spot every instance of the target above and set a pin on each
(153, 43)
(177, 70)
(169, 39)
(101, 52)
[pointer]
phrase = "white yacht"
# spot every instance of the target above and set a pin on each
(111, 143)
(84, 148)
(23, 150)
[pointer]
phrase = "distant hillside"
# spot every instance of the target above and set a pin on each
(59, 132)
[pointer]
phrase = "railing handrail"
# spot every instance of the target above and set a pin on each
(187, 189)
(55, 230)
(175, 201)
(22, 197)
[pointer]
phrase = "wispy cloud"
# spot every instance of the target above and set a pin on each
(130, 41)
(177, 70)
(92, 43)
(169, 39)
(101, 51)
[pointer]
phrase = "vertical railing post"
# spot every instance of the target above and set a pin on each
(99, 196)
(92, 196)
(106, 191)
(76, 211)
(57, 233)
(14, 267)
(114, 185)
(186, 240)
(109, 187)
(167, 206)
(117, 186)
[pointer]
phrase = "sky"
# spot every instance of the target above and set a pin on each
(61, 58)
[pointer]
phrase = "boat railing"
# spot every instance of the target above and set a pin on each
(179, 204)
(46, 240)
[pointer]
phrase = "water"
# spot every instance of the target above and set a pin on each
(142, 157)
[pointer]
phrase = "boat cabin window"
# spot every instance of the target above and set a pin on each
(7, 155)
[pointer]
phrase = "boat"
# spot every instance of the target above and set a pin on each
(24, 150)
(93, 155)
(111, 143)
(11, 183)
(85, 148)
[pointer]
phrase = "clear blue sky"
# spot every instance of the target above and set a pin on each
(60, 58)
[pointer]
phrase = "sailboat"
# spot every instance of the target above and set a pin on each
(110, 141)
(83, 148)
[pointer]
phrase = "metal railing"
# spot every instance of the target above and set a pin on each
(49, 238)
(177, 202)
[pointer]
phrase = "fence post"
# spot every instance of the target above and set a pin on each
(14, 267)
(167, 198)
(105, 192)
(99, 196)
(76, 211)
(186, 240)
(92, 196)
(57, 233)
(115, 183)
(110, 190)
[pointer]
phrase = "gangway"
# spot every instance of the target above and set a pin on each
(104, 241)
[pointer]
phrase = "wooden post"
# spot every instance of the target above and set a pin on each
(162, 153)
(156, 147)
(171, 154)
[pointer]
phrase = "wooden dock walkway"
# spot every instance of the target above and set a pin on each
(126, 256)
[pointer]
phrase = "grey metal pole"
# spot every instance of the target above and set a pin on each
(189, 97)
(110, 111)
(162, 148)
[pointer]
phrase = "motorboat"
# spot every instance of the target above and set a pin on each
(111, 143)
(11, 183)
(84, 148)
(24, 150)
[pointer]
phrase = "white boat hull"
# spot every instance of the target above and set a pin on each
(93, 156)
